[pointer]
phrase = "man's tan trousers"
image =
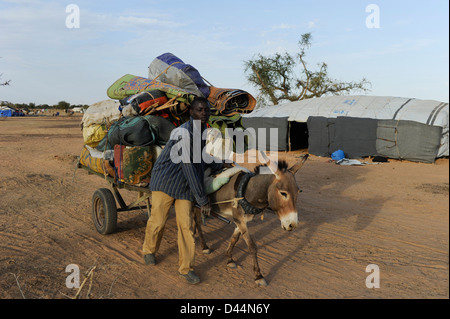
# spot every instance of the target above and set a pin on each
(161, 204)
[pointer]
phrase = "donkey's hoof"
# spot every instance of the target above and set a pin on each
(261, 282)
(232, 265)
(206, 251)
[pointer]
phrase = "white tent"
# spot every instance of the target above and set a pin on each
(397, 109)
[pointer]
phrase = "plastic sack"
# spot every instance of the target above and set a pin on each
(94, 163)
(337, 155)
(107, 111)
(93, 134)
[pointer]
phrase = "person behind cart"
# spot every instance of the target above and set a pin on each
(180, 183)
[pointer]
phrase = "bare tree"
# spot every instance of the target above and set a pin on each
(275, 78)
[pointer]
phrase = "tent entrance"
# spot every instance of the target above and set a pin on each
(297, 135)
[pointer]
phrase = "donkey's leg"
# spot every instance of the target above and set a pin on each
(233, 241)
(259, 279)
(198, 226)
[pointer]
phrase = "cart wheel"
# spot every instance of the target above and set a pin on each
(104, 211)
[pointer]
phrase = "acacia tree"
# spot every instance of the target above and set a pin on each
(276, 79)
(62, 105)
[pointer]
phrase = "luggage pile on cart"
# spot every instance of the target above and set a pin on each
(123, 136)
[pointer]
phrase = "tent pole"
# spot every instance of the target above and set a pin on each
(289, 136)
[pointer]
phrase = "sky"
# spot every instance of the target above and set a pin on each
(401, 47)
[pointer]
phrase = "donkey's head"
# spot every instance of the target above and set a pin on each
(283, 192)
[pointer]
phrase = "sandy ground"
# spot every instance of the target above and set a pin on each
(394, 215)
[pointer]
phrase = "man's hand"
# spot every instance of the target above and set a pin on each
(205, 209)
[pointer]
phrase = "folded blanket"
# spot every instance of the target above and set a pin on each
(131, 84)
(170, 69)
(214, 183)
(230, 101)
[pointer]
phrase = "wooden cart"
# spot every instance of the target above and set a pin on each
(104, 207)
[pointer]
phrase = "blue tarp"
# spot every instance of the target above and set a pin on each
(5, 113)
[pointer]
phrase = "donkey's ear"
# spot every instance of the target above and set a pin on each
(297, 166)
(272, 166)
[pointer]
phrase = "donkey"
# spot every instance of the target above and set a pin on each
(277, 191)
